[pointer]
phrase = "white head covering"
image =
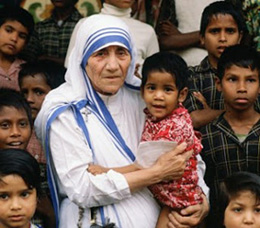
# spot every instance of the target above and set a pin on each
(95, 33)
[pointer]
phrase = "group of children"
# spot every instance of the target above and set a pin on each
(18, 111)
(222, 98)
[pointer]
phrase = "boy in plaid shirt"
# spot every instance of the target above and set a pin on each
(231, 142)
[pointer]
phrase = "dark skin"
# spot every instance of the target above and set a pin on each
(171, 38)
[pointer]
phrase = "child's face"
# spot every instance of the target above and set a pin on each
(242, 211)
(221, 32)
(15, 130)
(17, 202)
(13, 37)
(34, 89)
(240, 88)
(161, 94)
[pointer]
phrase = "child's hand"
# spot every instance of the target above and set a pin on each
(97, 169)
(201, 98)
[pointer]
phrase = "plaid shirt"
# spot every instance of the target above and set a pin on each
(51, 39)
(203, 79)
(224, 154)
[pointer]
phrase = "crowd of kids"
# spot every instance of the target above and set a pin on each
(212, 107)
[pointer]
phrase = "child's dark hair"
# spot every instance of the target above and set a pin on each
(238, 55)
(235, 184)
(221, 8)
(13, 98)
(9, 13)
(52, 71)
(166, 62)
(22, 163)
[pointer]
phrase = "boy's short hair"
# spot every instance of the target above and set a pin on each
(235, 184)
(238, 55)
(9, 13)
(22, 163)
(52, 71)
(221, 8)
(13, 98)
(166, 62)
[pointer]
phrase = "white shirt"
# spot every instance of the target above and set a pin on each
(188, 14)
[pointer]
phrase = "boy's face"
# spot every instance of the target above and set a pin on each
(13, 37)
(240, 87)
(242, 211)
(34, 89)
(15, 130)
(124, 4)
(17, 202)
(161, 94)
(221, 32)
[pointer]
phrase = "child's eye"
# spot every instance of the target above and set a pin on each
(257, 210)
(4, 125)
(231, 79)
(168, 89)
(214, 30)
(8, 29)
(23, 123)
(39, 92)
(25, 194)
(150, 87)
(251, 80)
(237, 209)
(23, 36)
(230, 30)
(4, 196)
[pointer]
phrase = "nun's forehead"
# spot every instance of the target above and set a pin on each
(103, 38)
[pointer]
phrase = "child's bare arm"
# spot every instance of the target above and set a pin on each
(97, 169)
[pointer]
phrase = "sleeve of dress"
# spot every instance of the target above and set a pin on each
(71, 156)
(201, 167)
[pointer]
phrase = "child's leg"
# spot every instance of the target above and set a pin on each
(163, 217)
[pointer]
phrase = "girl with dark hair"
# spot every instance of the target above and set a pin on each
(19, 188)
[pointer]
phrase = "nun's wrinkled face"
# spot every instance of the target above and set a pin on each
(107, 69)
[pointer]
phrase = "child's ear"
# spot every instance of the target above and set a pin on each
(183, 94)
(218, 84)
(241, 34)
(202, 40)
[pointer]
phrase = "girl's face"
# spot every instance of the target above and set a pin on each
(161, 94)
(242, 211)
(17, 202)
(15, 129)
(13, 37)
(34, 89)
